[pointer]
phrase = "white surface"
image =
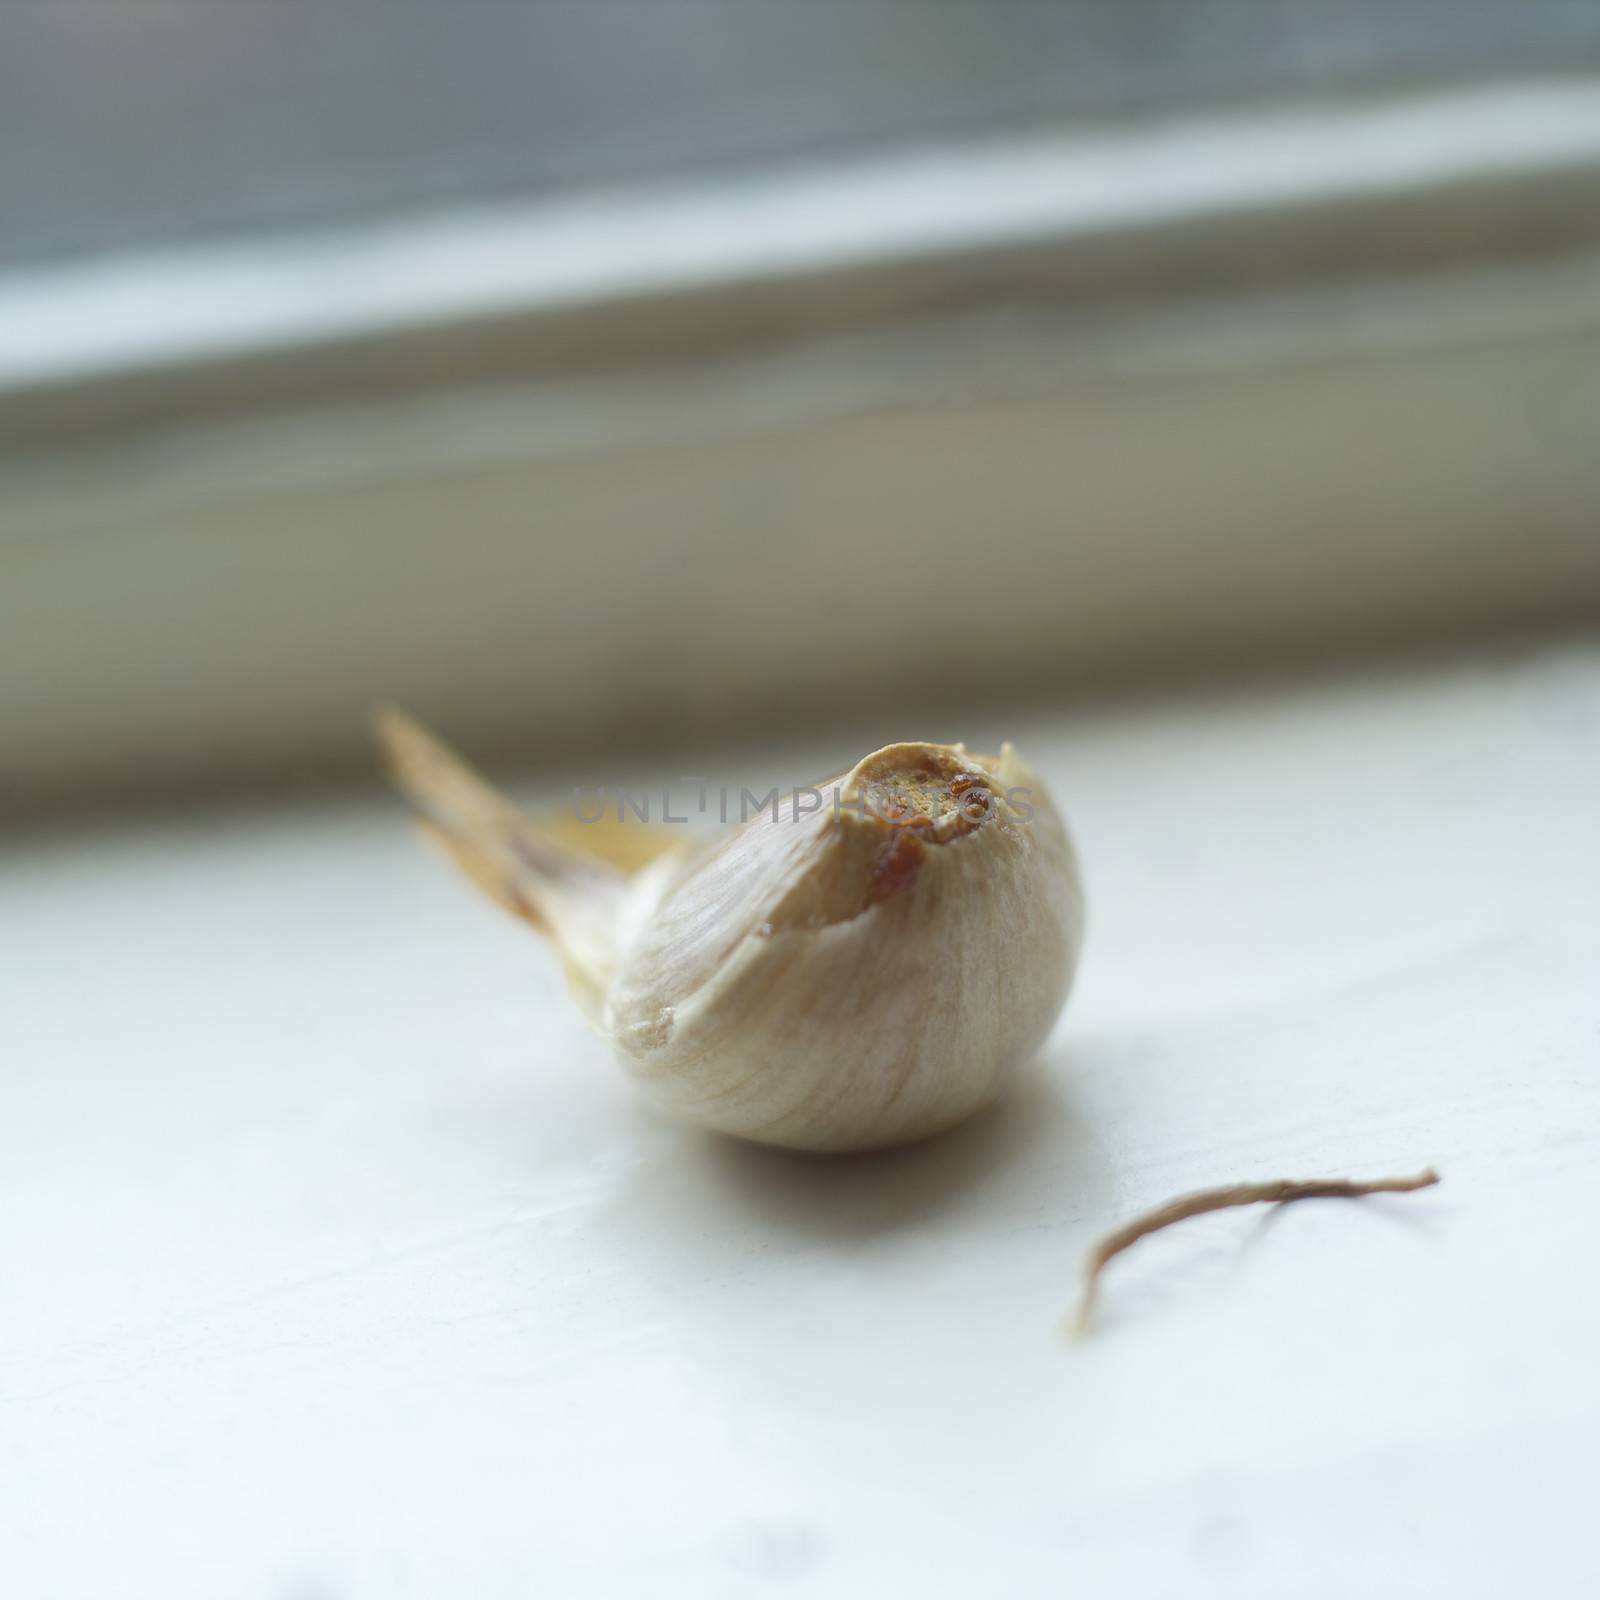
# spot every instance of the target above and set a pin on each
(338, 1261)
(69, 321)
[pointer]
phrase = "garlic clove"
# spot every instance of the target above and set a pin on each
(848, 981)
(860, 975)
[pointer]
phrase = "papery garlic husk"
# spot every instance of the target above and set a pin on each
(845, 976)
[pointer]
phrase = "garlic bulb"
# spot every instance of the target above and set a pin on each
(848, 975)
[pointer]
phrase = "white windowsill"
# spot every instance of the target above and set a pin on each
(338, 1258)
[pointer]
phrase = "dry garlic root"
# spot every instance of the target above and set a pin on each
(1280, 1191)
(861, 975)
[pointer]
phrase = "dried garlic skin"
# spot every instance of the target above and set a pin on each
(857, 976)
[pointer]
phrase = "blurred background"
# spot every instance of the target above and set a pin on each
(645, 375)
